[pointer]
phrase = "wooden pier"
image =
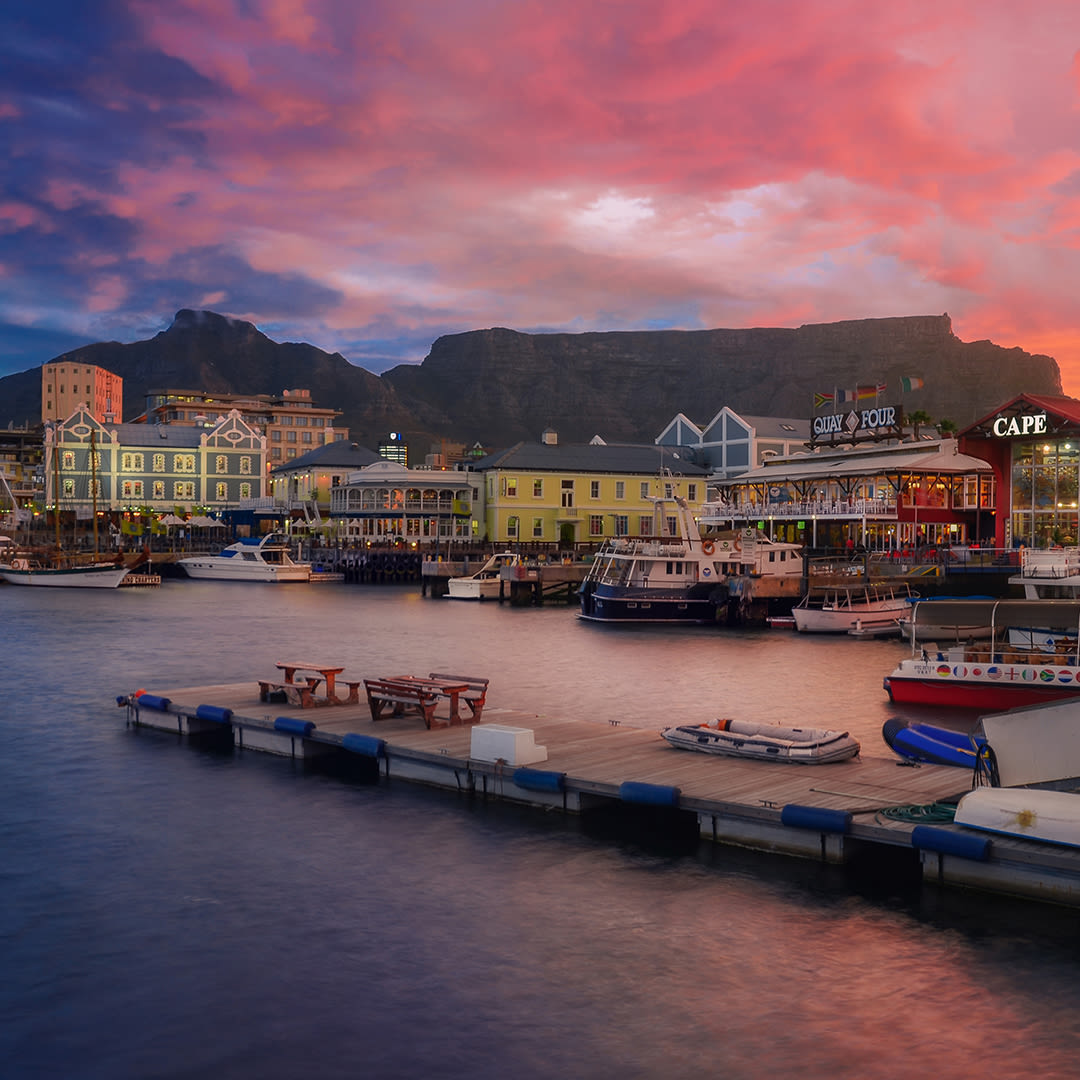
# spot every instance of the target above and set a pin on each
(834, 813)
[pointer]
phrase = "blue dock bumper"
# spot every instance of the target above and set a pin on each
(214, 713)
(818, 818)
(152, 701)
(633, 791)
(367, 745)
(292, 726)
(539, 780)
(966, 846)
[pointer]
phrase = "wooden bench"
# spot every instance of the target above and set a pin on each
(302, 694)
(476, 695)
(389, 698)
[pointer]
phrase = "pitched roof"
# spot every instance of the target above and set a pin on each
(1068, 408)
(340, 454)
(598, 458)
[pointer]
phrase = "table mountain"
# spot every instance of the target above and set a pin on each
(499, 386)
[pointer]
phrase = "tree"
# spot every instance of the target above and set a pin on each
(919, 418)
(946, 427)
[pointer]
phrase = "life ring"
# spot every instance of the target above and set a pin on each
(707, 547)
(736, 544)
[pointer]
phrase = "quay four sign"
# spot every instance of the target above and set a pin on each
(840, 423)
(1024, 424)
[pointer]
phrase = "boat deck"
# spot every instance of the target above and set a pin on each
(736, 801)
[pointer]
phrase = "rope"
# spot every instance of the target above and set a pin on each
(937, 813)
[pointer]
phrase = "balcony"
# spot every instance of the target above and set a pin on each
(717, 513)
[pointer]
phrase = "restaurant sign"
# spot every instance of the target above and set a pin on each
(1005, 427)
(867, 422)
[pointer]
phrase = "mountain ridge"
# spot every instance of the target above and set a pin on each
(498, 386)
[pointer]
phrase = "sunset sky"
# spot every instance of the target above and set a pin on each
(367, 175)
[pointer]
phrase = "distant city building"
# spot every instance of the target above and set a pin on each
(395, 448)
(66, 385)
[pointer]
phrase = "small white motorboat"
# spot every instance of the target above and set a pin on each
(251, 558)
(764, 742)
(486, 582)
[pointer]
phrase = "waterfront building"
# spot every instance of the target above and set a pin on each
(731, 443)
(304, 487)
(150, 469)
(66, 385)
(385, 501)
(1032, 444)
(395, 448)
(20, 466)
(548, 493)
(885, 496)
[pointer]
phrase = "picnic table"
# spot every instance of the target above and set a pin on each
(329, 672)
(451, 689)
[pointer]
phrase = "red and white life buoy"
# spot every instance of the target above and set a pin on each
(707, 547)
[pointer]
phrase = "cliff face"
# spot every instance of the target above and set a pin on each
(505, 386)
(499, 386)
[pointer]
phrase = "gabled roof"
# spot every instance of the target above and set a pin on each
(578, 457)
(340, 454)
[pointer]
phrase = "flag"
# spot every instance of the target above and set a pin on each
(864, 392)
(822, 399)
(910, 382)
(844, 396)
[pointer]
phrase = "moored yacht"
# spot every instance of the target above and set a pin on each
(252, 558)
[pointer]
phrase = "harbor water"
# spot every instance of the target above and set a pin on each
(171, 911)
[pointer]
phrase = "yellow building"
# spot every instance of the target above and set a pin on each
(66, 385)
(579, 494)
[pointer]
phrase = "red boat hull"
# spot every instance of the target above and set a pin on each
(993, 697)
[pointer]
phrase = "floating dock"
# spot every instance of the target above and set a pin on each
(834, 813)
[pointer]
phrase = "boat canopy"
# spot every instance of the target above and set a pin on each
(1000, 614)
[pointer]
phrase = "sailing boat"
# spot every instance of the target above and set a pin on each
(57, 568)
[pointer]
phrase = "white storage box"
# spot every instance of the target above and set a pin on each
(514, 745)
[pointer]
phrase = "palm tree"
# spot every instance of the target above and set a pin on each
(946, 427)
(917, 419)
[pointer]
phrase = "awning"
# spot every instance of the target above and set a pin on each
(1061, 615)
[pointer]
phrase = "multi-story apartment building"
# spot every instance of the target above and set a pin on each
(66, 385)
(292, 423)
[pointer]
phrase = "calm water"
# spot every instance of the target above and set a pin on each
(175, 912)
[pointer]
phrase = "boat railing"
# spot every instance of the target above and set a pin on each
(1048, 565)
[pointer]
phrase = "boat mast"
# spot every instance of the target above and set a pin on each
(93, 490)
(56, 484)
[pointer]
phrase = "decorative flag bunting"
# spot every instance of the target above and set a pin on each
(822, 399)
(910, 382)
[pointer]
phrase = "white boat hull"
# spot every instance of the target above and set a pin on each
(843, 620)
(216, 569)
(98, 576)
(1052, 817)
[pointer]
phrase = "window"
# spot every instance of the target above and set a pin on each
(131, 489)
(512, 528)
(221, 463)
(245, 490)
(158, 462)
(620, 489)
(184, 489)
(645, 525)
(159, 489)
(290, 436)
(594, 489)
(538, 489)
(221, 491)
(691, 492)
(596, 524)
(538, 528)
(275, 435)
(622, 525)
(68, 460)
(184, 463)
(132, 462)
(568, 493)
(305, 436)
(69, 489)
(245, 466)
(509, 487)
(644, 489)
